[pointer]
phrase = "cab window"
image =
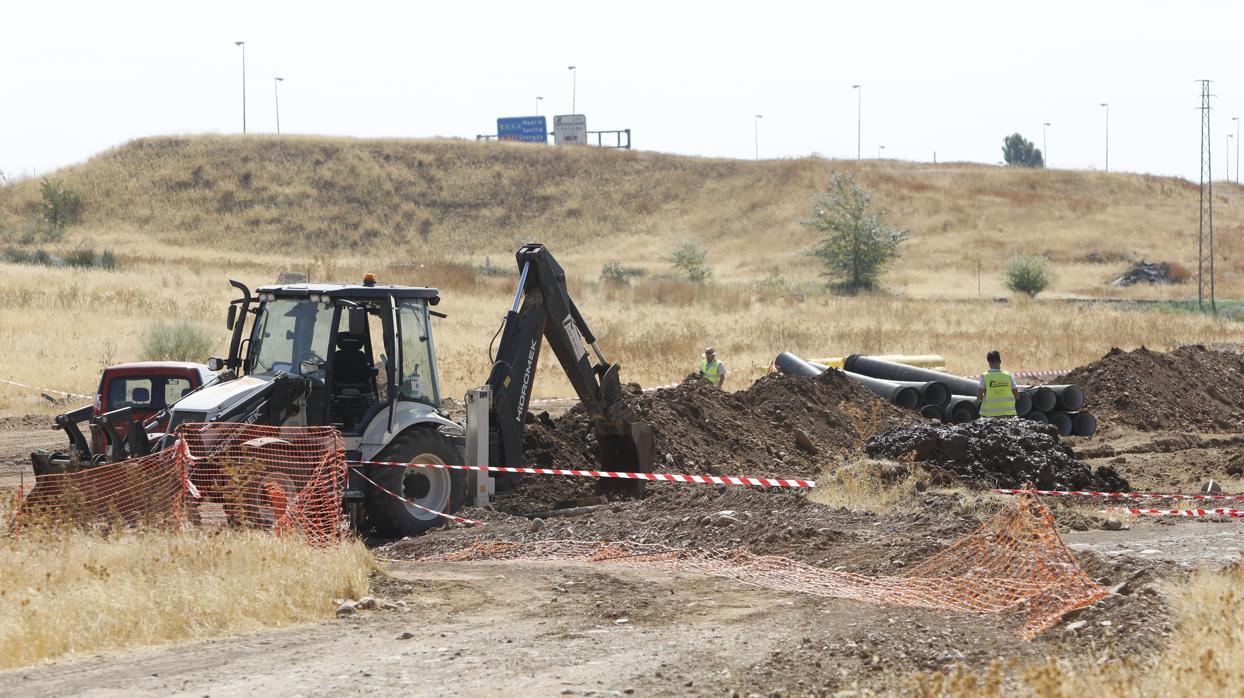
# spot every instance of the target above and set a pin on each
(418, 374)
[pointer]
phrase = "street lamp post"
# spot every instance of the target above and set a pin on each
(1107, 106)
(859, 118)
(574, 88)
(243, 45)
(756, 134)
(880, 149)
(1228, 161)
(276, 94)
(1045, 145)
(538, 100)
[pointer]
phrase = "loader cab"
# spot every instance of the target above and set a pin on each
(361, 347)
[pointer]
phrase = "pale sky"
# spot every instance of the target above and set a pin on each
(686, 77)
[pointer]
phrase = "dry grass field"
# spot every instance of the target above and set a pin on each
(186, 214)
(74, 592)
(1205, 657)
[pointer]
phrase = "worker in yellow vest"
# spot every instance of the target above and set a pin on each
(711, 369)
(997, 391)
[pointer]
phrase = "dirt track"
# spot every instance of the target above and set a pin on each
(538, 629)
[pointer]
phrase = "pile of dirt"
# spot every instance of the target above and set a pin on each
(779, 522)
(781, 426)
(997, 453)
(1189, 389)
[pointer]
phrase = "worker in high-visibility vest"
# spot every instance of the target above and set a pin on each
(711, 369)
(997, 391)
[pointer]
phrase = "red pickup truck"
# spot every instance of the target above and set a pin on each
(147, 387)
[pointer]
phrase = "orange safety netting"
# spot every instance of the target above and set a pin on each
(1015, 563)
(275, 478)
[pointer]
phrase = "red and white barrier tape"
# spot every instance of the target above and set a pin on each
(622, 475)
(1031, 374)
(1231, 513)
(441, 514)
(47, 390)
(1125, 495)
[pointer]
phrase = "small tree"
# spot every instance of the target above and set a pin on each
(60, 205)
(1027, 274)
(689, 258)
(856, 245)
(614, 274)
(1020, 152)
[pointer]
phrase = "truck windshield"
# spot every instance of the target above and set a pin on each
(418, 369)
(288, 331)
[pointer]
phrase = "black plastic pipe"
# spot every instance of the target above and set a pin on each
(902, 395)
(1038, 416)
(934, 393)
(795, 366)
(1085, 424)
(1043, 399)
(1070, 397)
(1023, 404)
(962, 409)
(880, 368)
(1064, 421)
(933, 412)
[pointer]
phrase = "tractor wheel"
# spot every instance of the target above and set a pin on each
(436, 489)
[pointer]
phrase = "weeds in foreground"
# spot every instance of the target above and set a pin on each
(1205, 656)
(74, 592)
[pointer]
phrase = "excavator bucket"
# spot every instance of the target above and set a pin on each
(633, 452)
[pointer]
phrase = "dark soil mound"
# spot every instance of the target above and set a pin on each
(782, 425)
(997, 453)
(780, 522)
(1189, 389)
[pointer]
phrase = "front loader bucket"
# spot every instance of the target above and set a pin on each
(634, 452)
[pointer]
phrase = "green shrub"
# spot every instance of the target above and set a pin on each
(82, 257)
(1027, 274)
(855, 244)
(689, 258)
(179, 341)
(613, 273)
(61, 205)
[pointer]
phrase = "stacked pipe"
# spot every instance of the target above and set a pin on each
(929, 397)
(1060, 405)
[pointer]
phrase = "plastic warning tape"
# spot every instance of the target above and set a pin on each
(1031, 374)
(1232, 513)
(621, 475)
(46, 390)
(441, 514)
(1125, 495)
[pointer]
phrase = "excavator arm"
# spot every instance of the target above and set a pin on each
(543, 309)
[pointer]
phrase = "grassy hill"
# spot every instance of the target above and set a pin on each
(185, 214)
(468, 200)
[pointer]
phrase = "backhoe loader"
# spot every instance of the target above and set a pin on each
(361, 358)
